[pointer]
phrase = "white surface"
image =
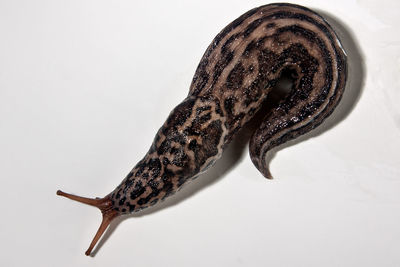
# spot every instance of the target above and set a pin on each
(84, 86)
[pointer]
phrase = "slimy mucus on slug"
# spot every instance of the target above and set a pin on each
(232, 81)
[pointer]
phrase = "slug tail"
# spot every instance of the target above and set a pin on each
(105, 206)
(267, 174)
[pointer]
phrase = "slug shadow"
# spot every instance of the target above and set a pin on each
(236, 150)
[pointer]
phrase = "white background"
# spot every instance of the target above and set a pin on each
(85, 85)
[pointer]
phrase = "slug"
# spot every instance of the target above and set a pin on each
(232, 80)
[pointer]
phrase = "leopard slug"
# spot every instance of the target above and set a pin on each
(232, 80)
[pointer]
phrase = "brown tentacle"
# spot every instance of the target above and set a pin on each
(106, 208)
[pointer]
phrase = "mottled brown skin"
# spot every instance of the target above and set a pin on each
(233, 79)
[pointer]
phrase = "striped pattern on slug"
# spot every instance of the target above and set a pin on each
(232, 80)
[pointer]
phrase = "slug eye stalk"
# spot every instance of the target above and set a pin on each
(105, 206)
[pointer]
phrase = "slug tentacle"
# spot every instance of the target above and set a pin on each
(232, 81)
(106, 207)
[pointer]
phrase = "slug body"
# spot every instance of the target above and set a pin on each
(233, 79)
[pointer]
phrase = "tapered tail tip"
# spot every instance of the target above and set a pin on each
(268, 175)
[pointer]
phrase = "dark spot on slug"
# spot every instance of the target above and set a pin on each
(118, 194)
(146, 199)
(250, 69)
(193, 145)
(229, 104)
(122, 201)
(165, 161)
(167, 175)
(270, 25)
(137, 191)
(131, 207)
(235, 77)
